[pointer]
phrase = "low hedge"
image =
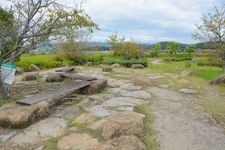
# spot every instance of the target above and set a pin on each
(124, 62)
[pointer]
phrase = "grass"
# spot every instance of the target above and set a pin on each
(41, 60)
(150, 136)
(51, 144)
(216, 107)
(209, 73)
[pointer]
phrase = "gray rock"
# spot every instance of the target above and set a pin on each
(99, 111)
(39, 132)
(188, 91)
(123, 101)
(130, 87)
(155, 76)
(101, 96)
(135, 94)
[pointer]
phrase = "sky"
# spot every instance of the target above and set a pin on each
(148, 21)
(145, 21)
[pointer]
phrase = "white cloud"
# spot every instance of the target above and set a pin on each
(146, 20)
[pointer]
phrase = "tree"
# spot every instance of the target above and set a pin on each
(212, 29)
(127, 50)
(190, 49)
(7, 38)
(172, 47)
(38, 21)
(155, 50)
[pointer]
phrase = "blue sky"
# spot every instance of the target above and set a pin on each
(145, 21)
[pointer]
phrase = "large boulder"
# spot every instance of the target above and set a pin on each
(95, 87)
(53, 77)
(187, 73)
(30, 76)
(122, 143)
(125, 123)
(18, 116)
(138, 66)
(220, 80)
(34, 68)
(77, 141)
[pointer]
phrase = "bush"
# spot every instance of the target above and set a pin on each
(95, 58)
(71, 50)
(124, 49)
(211, 62)
(181, 58)
(124, 62)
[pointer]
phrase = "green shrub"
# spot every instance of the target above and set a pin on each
(210, 62)
(124, 62)
(95, 58)
(181, 58)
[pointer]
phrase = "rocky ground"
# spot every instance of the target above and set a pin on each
(108, 121)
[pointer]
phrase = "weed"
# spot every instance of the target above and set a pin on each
(149, 139)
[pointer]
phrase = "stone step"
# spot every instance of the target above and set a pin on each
(55, 96)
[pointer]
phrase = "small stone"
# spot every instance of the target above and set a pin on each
(106, 69)
(86, 118)
(138, 66)
(77, 141)
(188, 73)
(125, 123)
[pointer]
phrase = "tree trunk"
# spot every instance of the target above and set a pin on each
(223, 66)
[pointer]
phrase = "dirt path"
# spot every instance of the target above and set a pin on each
(156, 61)
(181, 128)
